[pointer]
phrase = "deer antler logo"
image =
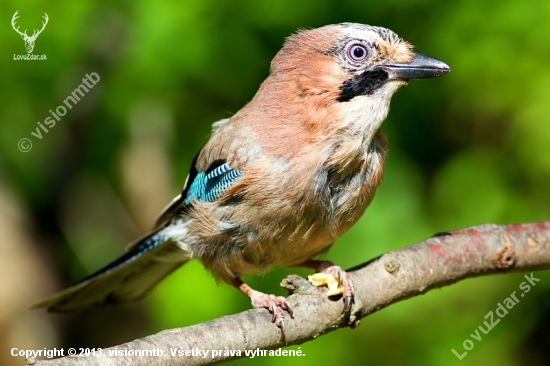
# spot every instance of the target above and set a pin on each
(29, 41)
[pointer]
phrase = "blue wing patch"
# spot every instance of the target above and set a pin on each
(209, 186)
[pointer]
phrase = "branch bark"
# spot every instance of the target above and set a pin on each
(438, 261)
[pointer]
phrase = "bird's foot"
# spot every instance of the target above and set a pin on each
(275, 304)
(337, 280)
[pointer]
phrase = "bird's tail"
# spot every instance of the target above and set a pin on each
(128, 278)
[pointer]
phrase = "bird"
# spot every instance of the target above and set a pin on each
(282, 179)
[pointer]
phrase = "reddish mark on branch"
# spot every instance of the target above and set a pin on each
(436, 249)
(541, 227)
(515, 229)
(472, 233)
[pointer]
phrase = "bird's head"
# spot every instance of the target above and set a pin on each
(354, 68)
(349, 60)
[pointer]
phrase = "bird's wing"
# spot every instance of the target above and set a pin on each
(151, 258)
(210, 184)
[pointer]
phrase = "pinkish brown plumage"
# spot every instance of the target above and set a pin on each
(284, 178)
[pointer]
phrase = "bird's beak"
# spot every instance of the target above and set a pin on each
(422, 67)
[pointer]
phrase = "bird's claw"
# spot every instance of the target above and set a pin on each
(275, 304)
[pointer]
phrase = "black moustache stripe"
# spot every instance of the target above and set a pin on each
(362, 84)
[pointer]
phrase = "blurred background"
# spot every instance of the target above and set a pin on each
(469, 148)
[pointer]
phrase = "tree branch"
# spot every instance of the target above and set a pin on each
(438, 261)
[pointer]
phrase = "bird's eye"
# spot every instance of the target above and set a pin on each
(358, 52)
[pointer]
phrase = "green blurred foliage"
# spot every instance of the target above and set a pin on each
(469, 148)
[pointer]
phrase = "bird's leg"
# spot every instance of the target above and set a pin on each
(275, 304)
(334, 277)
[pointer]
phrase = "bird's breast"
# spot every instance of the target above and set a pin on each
(287, 210)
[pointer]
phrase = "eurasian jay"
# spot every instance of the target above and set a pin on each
(283, 178)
